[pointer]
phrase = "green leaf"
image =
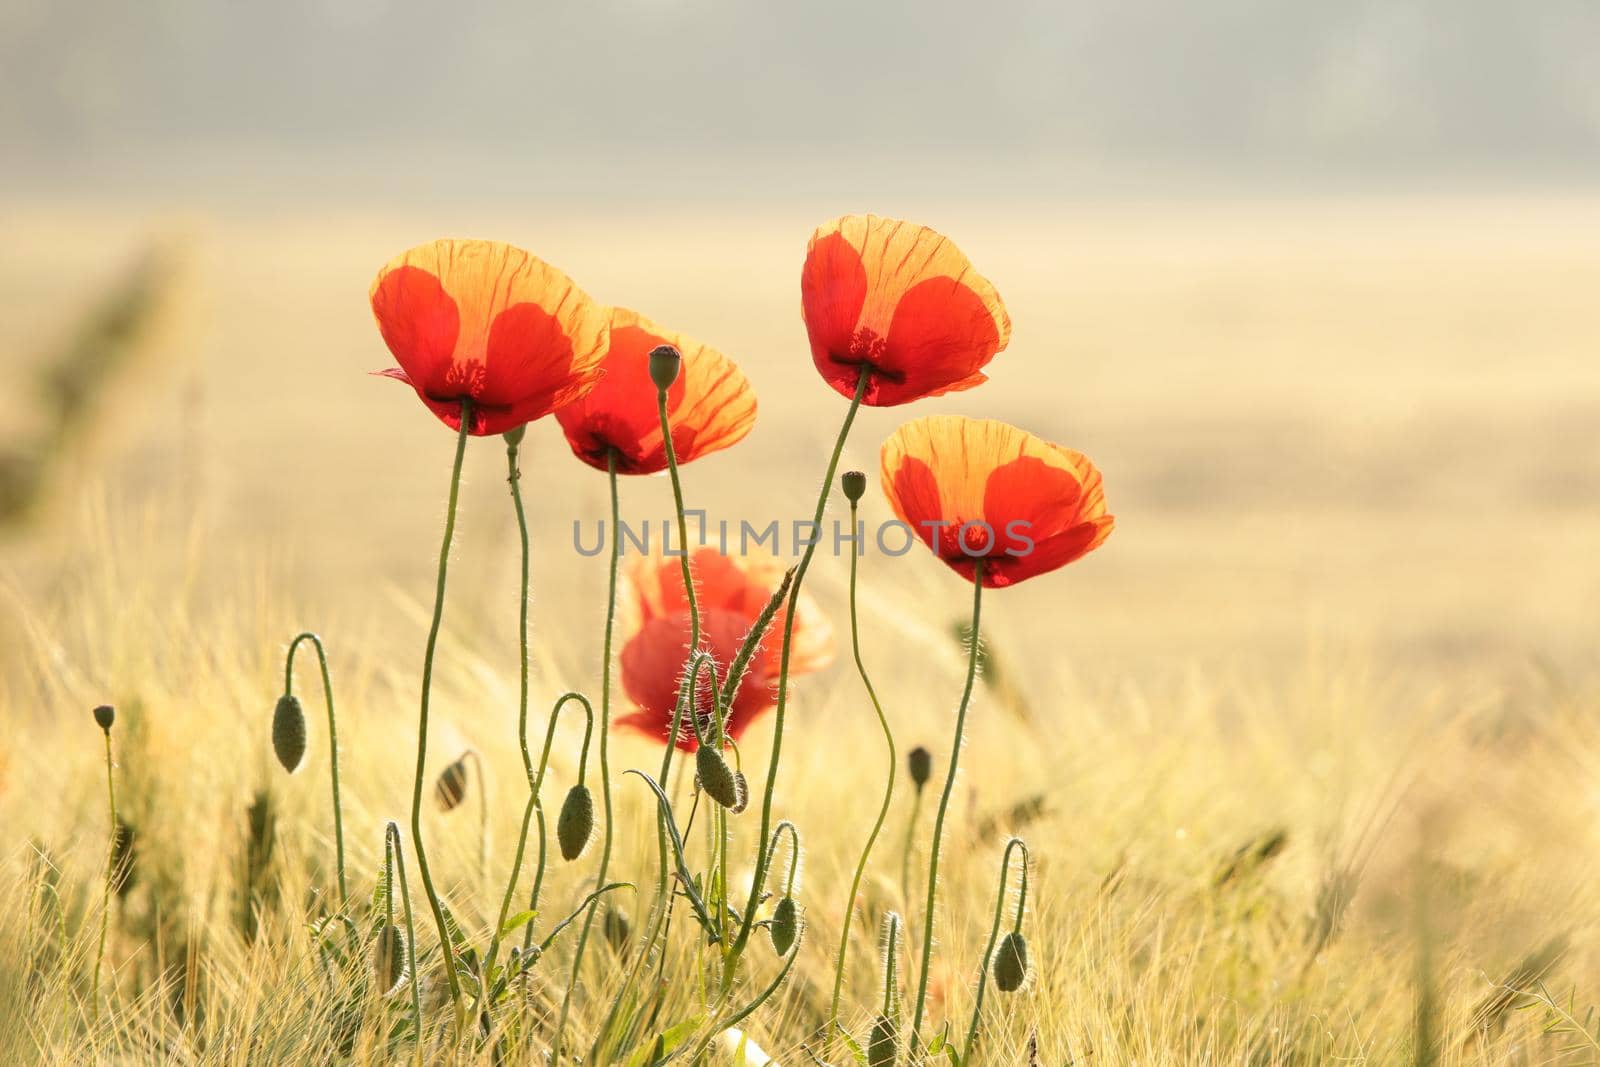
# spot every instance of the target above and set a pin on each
(702, 916)
(854, 1046)
(666, 1042)
(518, 921)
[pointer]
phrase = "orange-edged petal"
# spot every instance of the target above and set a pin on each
(710, 407)
(978, 489)
(490, 323)
(901, 301)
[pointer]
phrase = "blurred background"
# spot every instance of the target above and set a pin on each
(1314, 284)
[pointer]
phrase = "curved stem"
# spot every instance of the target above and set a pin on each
(758, 880)
(535, 785)
(794, 853)
(105, 894)
(391, 835)
(447, 950)
(333, 748)
(888, 791)
(605, 740)
(944, 806)
(994, 934)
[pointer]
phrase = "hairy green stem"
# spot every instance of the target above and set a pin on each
(333, 748)
(944, 806)
(105, 893)
(391, 836)
(605, 741)
(888, 793)
(994, 934)
(447, 950)
(758, 880)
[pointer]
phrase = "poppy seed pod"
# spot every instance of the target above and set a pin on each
(105, 715)
(883, 1045)
(854, 484)
(388, 957)
(514, 436)
(575, 825)
(919, 761)
(665, 362)
(785, 925)
(289, 732)
(716, 778)
(451, 789)
(1011, 963)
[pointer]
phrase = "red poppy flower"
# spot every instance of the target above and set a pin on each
(730, 593)
(710, 406)
(489, 323)
(902, 300)
(978, 489)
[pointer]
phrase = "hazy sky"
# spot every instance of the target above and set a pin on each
(105, 91)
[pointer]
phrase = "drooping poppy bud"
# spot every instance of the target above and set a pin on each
(1011, 963)
(575, 825)
(665, 362)
(388, 957)
(451, 788)
(854, 484)
(919, 761)
(104, 716)
(289, 732)
(883, 1044)
(716, 778)
(785, 925)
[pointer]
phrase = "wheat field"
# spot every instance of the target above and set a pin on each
(1306, 756)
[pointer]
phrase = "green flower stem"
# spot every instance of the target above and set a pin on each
(446, 949)
(105, 892)
(391, 836)
(888, 793)
(905, 853)
(535, 803)
(333, 748)
(759, 878)
(944, 805)
(994, 934)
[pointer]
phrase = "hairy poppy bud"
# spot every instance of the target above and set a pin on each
(289, 732)
(451, 789)
(105, 715)
(576, 824)
(741, 791)
(854, 484)
(716, 778)
(785, 925)
(920, 762)
(665, 361)
(618, 930)
(883, 1045)
(1011, 963)
(388, 957)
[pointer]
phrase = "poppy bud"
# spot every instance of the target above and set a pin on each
(741, 791)
(716, 778)
(618, 930)
(854, 484)
(1011, 963)
(105, 715)
(575, 825)
(665, 361)
(289, 732)
(785, 925)
(883, 1044)
(920, 762)
(451, 789)
(388, 957)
